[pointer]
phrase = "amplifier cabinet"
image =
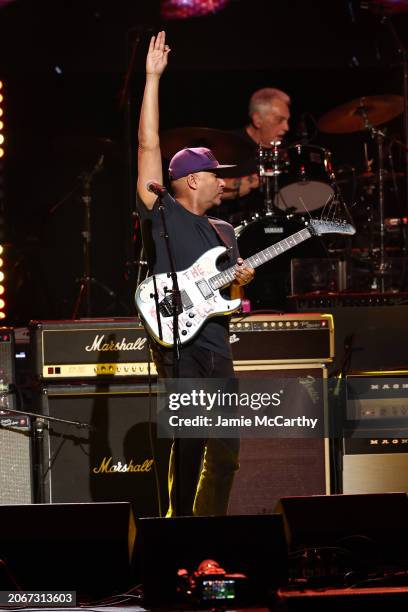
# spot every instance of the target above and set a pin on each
(375, 450)
(90, 349)
(15, 466)
(271, 468)
(117, 459)
(7, 369)
(268, 339)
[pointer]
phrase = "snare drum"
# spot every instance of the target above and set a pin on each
(306, 180)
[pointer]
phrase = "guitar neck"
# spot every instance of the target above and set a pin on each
(225, 278)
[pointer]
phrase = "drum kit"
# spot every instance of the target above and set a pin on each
(298, 182)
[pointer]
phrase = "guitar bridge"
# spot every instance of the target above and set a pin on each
(166, 305)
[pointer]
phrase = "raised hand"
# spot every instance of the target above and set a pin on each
(156, 60)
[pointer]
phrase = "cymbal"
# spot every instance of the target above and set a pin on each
(228, 148)
(350, 116)
(372, 177)
(388, 7)
(369, 178)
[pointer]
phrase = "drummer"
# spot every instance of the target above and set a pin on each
(269, 113)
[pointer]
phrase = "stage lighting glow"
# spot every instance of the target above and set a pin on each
(183, 9)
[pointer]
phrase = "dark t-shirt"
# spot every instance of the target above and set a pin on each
(190, 236)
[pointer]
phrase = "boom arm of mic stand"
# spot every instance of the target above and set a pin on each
(38, 444)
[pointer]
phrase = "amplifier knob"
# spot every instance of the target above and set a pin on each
(288, 324)
(280, 324)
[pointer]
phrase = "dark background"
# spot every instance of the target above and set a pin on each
(63, 64)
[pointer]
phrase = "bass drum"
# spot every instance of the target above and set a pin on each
(271, 285)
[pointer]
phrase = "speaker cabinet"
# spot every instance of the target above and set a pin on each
(252, 545)
(376, 405)
(15, 467)
(67, 547)
(118, 459)
(271, 468)
(372, 527)
(7, 370)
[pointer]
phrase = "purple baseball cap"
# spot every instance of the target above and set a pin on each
(195, 159)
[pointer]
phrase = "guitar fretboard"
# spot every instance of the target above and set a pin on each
(225, 278)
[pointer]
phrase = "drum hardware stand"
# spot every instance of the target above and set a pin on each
(379, 137)
(270, 187)
(86, 279)
(403, 52)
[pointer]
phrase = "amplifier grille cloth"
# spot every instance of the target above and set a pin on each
(15, 467)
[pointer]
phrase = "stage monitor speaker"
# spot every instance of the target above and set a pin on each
(271, 468)
(252, 545)
(377, 403)
(67, 547)
(373, 526)
(114, 460)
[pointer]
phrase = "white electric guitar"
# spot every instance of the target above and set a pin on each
(200, 286)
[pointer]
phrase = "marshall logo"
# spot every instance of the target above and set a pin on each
(388, 386)
(107, 467)
(388, 442)
(99, 345)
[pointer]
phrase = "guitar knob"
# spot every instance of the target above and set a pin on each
(191, 315)
(188, 324)
(184, 332)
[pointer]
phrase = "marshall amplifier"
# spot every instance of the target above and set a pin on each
(288, 338)
(90, 348)
(375, 444)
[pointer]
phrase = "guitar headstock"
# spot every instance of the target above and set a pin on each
(320, 227)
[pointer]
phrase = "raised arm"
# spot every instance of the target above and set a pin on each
(149, 155)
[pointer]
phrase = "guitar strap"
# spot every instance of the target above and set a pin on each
(224, 238)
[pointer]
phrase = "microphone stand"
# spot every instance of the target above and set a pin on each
(176, 305)
(86, 279)
(38, 441)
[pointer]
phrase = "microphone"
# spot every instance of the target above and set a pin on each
(156, 188)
